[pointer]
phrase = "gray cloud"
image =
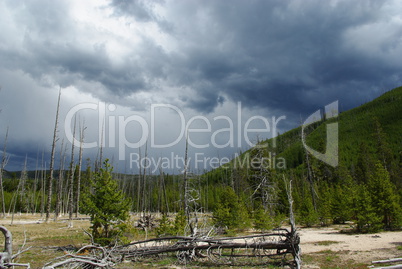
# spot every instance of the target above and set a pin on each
(283, 57)
(263, 53)
(141, 10)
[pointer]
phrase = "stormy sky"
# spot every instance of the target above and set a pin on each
(143, 71)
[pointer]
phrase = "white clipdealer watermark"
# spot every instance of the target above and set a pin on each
(331, 154)
(117, 125)
(112, 133)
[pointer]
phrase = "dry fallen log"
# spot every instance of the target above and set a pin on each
(271, 245)
(387, 261)
(389, 267)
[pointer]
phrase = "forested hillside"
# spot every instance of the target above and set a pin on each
(365, 188)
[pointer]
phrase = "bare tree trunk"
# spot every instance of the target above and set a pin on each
(4, 161)
(150, 190)
(139, 185)
(35, 184)
(71, 189)
(144, 182)
(310, 177)
(51, 167)
(43, 187)
(66, 195)
(163, 186)
(23, 179)
(18, 195)
(186, 191)
(97, 167)
(160, 192)
(59, 197)
(82, 130)
(294, 236)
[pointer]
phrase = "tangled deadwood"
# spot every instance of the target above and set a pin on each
(7, 257)
(278, 248)
(86, 257)
(281, 246)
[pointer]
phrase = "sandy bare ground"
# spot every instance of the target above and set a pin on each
(362, 248)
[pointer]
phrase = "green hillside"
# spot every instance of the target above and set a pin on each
(356, 126)
(366, 186)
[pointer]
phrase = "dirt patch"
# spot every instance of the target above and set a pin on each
(356, 248)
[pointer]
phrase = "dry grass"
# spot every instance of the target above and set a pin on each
(47, 241)
(44, 238)
(325, 243)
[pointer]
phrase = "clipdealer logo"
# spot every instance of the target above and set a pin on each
(331, 154)
(219, 132)
(233, 135)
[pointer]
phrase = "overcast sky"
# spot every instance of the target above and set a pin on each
(220, 66)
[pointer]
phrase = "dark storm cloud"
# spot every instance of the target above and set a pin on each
(266, 54)
(283, 55)
(77, 64)
(52, 46)
(286, 57)
(275, 54)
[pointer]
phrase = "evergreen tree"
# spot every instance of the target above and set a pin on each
(180, 222)
(262, 221)
(164, 227)
(367, 218)
(324, 203)
(343, 194)
(107, 207)
(231, 211)
(384, 152)
(307, 215)
(341, 203)
(385, 155)
(384, 197)
(364, 163)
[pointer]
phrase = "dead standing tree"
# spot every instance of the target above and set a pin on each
(59, 196)
(293, 232)
(71, 183)
(51, 168)
(20, 195)
(4, 161)
(186, 194)
(310, 174)
(265, 189)
(78, 195)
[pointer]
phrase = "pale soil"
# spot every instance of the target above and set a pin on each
(360, 248)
